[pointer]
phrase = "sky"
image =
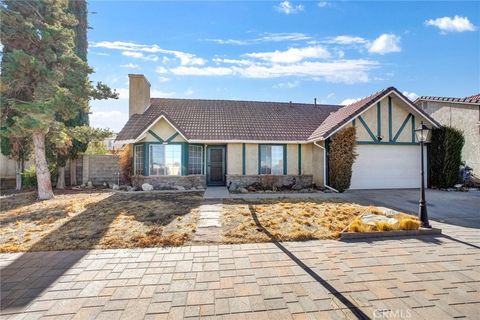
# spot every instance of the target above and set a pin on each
(295, 51)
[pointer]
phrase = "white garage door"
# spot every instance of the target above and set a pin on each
(387, 167)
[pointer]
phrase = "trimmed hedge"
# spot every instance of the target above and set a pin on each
(342, 155)
(445, 156)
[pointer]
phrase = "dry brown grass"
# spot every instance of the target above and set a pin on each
(85, 220)
(405, 222)
(409, 223)
(286, 219)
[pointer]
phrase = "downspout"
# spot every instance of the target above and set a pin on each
(325, 167)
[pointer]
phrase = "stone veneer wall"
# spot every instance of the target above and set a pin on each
(294, 182)
(170, 182)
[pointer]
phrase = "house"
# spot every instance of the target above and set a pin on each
(190, 143)
(460, 113)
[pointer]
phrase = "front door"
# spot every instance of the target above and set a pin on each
(216, 165)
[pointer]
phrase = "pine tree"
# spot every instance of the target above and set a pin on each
(42, 77)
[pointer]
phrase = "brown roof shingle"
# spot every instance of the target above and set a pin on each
(349, 112)
(232, 120)
(470, 99)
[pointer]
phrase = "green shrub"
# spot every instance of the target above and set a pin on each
(445, 156)
(342, 155)
(29, 175)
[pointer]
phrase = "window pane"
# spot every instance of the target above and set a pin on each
(277, 159)
(195, 159)
(165, 160)
(265, 159)
(173, 159)
(271, 159)
(138, 160)
(157, 160)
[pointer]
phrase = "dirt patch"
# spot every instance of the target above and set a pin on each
(286, 219)
(86, 220)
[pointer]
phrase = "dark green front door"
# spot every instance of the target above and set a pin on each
(216, 165)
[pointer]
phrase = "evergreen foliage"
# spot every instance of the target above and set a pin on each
(445, 156)
(342, 155)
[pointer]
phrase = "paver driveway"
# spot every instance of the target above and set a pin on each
(419, 278)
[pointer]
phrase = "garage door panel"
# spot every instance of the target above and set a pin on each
(386, 167)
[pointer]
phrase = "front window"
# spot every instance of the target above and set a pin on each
(195, 159)
(138, 160)
(271, 159)
(165, 160)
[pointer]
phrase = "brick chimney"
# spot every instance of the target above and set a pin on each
(138, 94)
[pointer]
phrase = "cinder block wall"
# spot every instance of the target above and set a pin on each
(100, 169)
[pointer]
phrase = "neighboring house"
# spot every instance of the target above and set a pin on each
(110, 143)
(460, 113)
(183, 142)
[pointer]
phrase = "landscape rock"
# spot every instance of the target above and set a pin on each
(233, 186)
(242, 190)
(147, 187)
(180, 188)
(89, 185)
(115, 187)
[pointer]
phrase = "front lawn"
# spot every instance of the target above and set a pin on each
(86, 220)
(286, 219)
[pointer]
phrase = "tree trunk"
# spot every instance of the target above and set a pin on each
(73, 172)
(44, 185)
(18, 175)
(61, 178)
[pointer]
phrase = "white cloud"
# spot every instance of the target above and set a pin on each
(204, 71)
(139, 55)
(288, 84)
(345, 39)
(233, 61)
(291, 55)
(163, 79)
(288, 8)
(154, 93)
(135, 50)
(346, 71)
(265, 37)
(130, 66)
(161, 70)
(229, 41)
(113, 120)
(189, 92)
(278, 37)
(324, 4)
(410, 95)
(448, 24)
(348, 101)
(385, 43)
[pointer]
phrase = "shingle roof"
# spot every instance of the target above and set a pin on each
(349, 112)
(232, 120)
(346, 113)
(471, 99)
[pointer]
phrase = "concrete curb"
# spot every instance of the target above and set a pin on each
(388, 234)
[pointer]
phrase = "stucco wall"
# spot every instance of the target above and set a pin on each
(463, 117)
(251, 158)
(400, 112)
(317, 156)
(292, 159)
(164, 130)
(234, 158)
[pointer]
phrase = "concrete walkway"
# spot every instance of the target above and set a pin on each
(427, 277)
(209, 226)
(215, 193)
